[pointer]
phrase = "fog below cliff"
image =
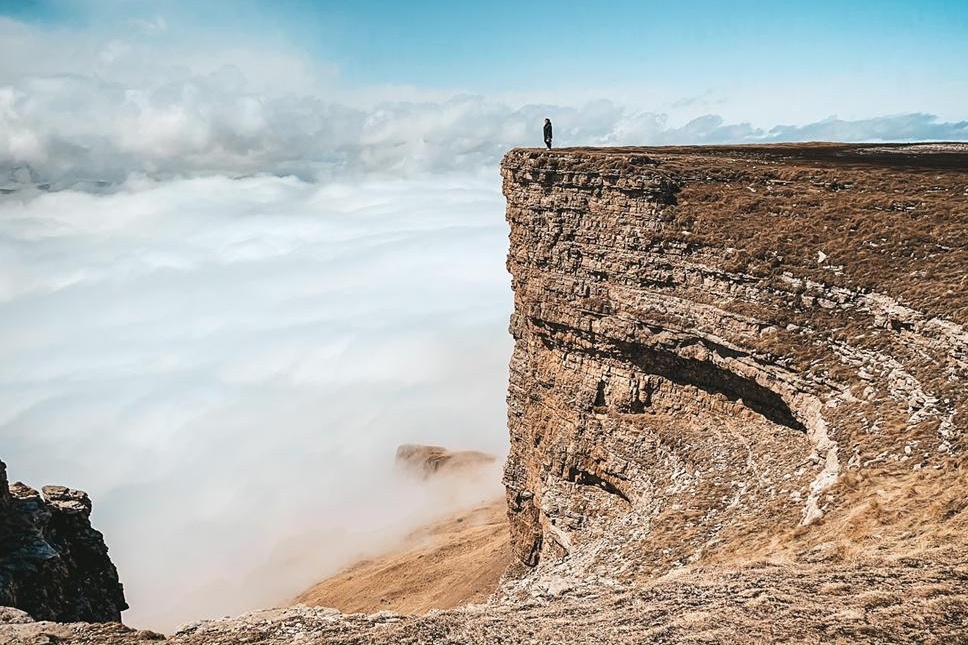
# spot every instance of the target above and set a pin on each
(228, 365)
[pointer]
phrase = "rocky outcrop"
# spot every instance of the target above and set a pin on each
(53, 564)
(719, 350)
(736, 407)
(426, 461)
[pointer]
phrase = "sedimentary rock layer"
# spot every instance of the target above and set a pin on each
(715, 347)
(430, 461)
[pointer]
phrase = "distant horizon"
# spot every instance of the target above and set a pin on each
(104, 89)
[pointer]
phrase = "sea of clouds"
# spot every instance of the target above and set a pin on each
(80, 108)
(227, 366)
(230, 286)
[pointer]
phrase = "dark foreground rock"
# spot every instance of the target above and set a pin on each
(53, 564)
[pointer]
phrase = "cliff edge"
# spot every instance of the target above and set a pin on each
(731, 354)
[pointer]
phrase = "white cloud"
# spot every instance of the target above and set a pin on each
(73, 107)
(228, 365)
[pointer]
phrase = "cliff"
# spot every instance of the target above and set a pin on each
(736, 406)
(733, 353)
(53, 564)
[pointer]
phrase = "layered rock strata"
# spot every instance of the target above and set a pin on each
(718, 350)
(53, 564)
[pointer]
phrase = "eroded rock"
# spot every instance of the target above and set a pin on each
(689, 383)
(53, 564)
(426, 461)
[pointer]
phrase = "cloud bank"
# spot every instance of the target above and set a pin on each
(227, 366)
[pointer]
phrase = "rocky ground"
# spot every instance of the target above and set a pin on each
(908, 601)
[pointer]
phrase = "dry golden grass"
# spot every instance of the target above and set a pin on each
(893, 220)
(450, 563)
(893, 223)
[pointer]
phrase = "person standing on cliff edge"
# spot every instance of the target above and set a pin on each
(547, 133)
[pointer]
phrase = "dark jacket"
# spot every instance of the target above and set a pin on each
(547, 131)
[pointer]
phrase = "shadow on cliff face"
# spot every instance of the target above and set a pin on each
(226, 366)
(689, 371)
(715, 380)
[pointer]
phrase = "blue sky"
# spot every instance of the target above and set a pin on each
(490, 45)
(508, 45)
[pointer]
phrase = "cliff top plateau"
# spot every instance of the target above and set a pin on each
(736, 407)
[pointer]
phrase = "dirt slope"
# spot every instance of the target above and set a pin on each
(453, 562)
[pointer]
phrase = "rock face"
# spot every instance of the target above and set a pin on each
(733, 353)
(53, 564)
